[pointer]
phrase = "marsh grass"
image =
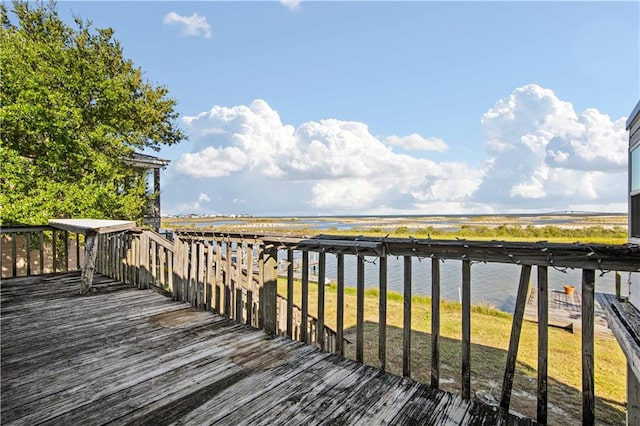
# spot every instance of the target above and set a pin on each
(490, 331)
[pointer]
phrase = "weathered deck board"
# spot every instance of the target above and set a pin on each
(565, 311)
(128, 356)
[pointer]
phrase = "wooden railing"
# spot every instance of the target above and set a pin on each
(140, 258)
(236, 276)
(37, 250)
(228, 290)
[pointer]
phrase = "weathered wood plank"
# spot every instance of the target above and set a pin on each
(290, 272)
(382, 314)
(304, 330)
(466, 329)
(136, 357)
(588, 398)
(270, 290)
(340, 303)
(543, 344)
(360, 309)
(321, 283)
(406, 319)
(435, 322)
(514, 341)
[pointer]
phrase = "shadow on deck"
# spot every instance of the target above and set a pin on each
(128, 356)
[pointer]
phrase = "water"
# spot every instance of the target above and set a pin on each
(492, 283)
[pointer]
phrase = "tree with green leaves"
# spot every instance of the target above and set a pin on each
(72, 110)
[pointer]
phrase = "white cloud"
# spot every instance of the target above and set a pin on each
(541, 156)
(291, 4)
(543, 153)
(415, 142)
(194, 25)
(203, 197)
(339, 164)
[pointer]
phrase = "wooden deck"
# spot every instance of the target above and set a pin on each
(565, 311)
(128, 356)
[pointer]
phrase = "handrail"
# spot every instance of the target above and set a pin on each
(36, 250)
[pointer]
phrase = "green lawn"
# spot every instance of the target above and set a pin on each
(490, 331)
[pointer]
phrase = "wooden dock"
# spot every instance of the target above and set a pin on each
(565, 311)
(129, 356)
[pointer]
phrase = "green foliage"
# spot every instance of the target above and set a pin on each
(72, 108)
(402, 230)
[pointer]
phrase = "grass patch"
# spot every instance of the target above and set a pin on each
(490, 331)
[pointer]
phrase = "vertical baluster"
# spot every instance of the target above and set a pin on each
(466, 329)
(514, 341)
(65, 257)
(77, 251)
(144, 261)
(250, 285)
(193, 274)
(219, 283)
(177, 269)
(435, 322)
(239, 282)
(340, 307)
(382, 314)
(588, 400)
(406, 328)
(228, 284)
(41, 251)
(27, 240)
(270, 289)
(162, 266)
(543, 343)
(360, 309)
(210, 276)
(261, 279)
(304, 325)
(290, 272)
(321, 279)
(14, 254)
(201, 276)
(170, 266)
(54, 250)
(154, 262)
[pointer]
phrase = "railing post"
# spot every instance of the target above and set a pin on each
(304, 320)
(210, 277)
(290, 271)
(89, 262)
(250, 285)
(406, 328)
(435, 322)
(340, 307)
(27, 237)
(144, 261)
(321, 278)
(588, 400)
(466, 329)
(360, 310)
(543, 343)
(270, 289)
(218, 279)
(514, 341)
(382, 313)
(41, 251)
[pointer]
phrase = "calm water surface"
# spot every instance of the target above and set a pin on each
(493, 283)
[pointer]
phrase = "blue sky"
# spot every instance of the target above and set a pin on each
(389, 107)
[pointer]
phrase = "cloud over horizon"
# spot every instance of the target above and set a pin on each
(194, 25)
(540, 155)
